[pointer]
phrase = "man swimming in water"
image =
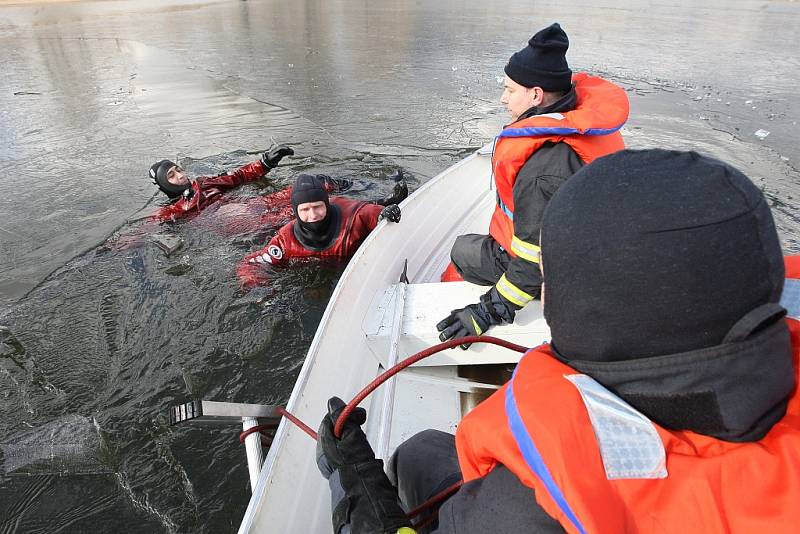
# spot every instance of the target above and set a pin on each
(191, 196)
(324, 227)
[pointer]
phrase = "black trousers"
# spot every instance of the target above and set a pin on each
(479, 259)
(421, 467)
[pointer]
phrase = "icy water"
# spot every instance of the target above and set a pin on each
(100, 331)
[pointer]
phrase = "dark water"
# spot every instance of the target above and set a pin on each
(100, 331)
(124, 331)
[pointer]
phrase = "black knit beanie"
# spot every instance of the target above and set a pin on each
(308, 188)
(543, 63)
(655, 252)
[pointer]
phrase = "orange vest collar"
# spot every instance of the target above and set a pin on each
(591, 129)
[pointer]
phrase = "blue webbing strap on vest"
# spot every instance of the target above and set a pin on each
(541, 131)
(532, 457)
(505, 209)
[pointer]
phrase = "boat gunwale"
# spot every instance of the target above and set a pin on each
(281, 434)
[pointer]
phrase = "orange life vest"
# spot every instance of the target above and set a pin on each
(538, 425)
(591, 129)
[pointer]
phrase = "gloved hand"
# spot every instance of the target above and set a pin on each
(352, 447)
(470, 320)
(274, 155)
(476, 319)
(370, 502)
(391, 213)
(399, 194)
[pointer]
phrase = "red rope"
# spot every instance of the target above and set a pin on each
(436, 499)
(414, 358)
(304, 427)
(258, 428)
(383, 377)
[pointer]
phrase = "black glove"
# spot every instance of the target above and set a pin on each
(476, 319)
(391, 213)
(370, 503)
(399, 194)
(353, 446)
(471, 320)
(274, 155)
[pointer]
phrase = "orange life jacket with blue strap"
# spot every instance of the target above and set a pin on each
(544, 429)
(591, 129)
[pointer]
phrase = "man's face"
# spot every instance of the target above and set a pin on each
(312, 211)
(518, 99)
(177, 176)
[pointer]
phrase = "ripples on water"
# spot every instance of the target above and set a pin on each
(117, 335)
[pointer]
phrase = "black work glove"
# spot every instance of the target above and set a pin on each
(353, 446)
(370, 503)
(399, 194)
(471, 320)
(391, 213)
(476, 319)
(274, 155)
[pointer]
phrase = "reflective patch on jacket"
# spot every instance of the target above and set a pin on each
(790, 298)
(629, 443)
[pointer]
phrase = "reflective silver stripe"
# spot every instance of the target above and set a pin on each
(629, 444)
(525, 250)
(512, 293)
(790, 299)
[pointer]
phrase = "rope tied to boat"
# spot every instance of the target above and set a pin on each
(380, 379)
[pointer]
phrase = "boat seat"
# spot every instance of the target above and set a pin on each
(424, 305)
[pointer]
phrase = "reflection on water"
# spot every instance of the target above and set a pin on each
(94, 92)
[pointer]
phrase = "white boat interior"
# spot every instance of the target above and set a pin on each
(372, 322)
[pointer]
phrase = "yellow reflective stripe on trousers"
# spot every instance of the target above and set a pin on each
(406, 530)
(512, 293)
(525, 250)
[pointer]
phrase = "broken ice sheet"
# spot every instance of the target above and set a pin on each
(761, 134)
(168, 243)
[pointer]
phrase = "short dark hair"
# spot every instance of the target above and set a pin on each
(553, 96)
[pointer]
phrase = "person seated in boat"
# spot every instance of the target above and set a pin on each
(188, 197)
(324, 227)
(667, 399)
(559, 122)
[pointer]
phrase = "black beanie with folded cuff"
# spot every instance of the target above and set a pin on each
(543, 62)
